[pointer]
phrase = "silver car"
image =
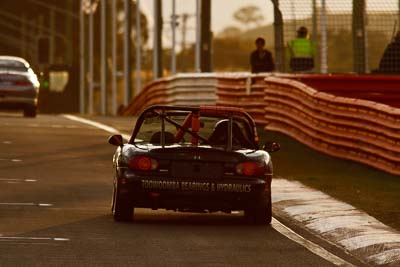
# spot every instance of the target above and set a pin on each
(19, 86)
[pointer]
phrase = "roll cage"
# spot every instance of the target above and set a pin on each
(192, 121)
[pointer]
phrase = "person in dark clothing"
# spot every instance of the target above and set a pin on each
(390, 61)
(261, 59)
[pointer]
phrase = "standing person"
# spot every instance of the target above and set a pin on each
(261, 59)
(301, 51)
(390, 61)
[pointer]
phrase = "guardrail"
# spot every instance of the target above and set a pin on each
(359, 130)
(242, 90)
(379, 88)
(182, 89)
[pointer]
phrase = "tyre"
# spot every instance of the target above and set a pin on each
(260, 213)
(122, 209)
(30, 112)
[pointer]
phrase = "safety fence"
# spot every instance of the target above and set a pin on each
(357, 32)
(349, 128)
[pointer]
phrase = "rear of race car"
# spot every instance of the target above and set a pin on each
(192, 177)
(195, 180)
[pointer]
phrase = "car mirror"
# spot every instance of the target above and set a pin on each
(271, 147)
(116, 140)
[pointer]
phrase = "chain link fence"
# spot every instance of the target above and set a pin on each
(355, 38)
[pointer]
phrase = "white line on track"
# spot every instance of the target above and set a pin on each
(26, 204)
(56, 126)
(24, 238)
(278, 226)
(7, 180)
(97, 125)
(12, 160)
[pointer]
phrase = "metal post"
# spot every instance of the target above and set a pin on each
(173, 28)
(314, 37)
(82, 59)
(157, 50)
(278, 34)
(103, 71)
(359, 38)
(69, 47)
(91, 56)
(324, 45)
(138, 49)
(185, 17)
(127, 53)
(52, 39)
(114, 56)
(198, 25)
(39, 31)
(294, 20)
(23, 36)
(366, 52)
(205, 36)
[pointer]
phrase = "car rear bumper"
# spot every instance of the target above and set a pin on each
(16, 102)
(224, 194)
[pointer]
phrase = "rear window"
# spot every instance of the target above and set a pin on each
(13, 65)
(209, 133)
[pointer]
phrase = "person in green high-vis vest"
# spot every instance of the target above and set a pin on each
(301, 52)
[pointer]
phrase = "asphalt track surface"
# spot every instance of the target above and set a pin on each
(55, 191)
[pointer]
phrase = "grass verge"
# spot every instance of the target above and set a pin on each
(373, 191)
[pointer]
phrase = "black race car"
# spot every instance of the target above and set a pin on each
(193, 159)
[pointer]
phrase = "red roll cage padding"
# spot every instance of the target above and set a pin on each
(181, 132)
(213, 110)
(195, 128)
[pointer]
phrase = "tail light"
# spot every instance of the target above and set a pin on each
(22, 83)
(142, 163)
(250, 168)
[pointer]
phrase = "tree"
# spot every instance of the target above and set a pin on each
(248, 15)
(230, 32)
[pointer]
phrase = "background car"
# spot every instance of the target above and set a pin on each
(19, 86)
(193, 159)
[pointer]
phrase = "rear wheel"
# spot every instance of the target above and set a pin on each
(30, 112)
(260, 212)
(122, 209)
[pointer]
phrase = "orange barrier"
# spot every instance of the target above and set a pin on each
(153, 94)
(182, 89)
(243, 91)
(359, 130)
(383, 89)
